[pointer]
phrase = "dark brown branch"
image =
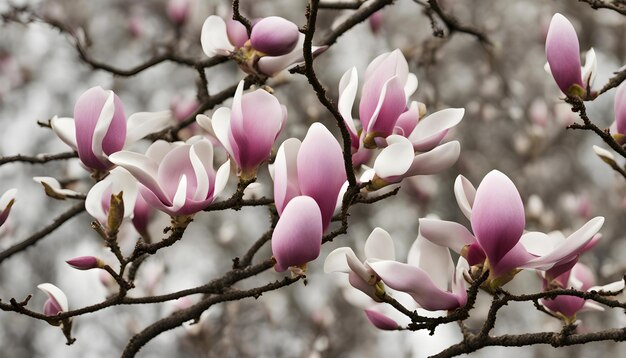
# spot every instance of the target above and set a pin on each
(341, 4)
(454, 25)
(359, 16)
(242, 19)
(34, 238)
(614, 81)
(617, 6)
(37, 159)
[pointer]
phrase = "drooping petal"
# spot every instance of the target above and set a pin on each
(65, 129)
(55, 294)
(430, 131)
(381, 321)
(395, 159)
(274, 36)
(563, 53)
(498, 217)
(297, 238)
(214, 37)
(348, 86)
(417, 283)
(321, 171)
(446, 233)
(465, 194)
(436, 160)
(336, 260)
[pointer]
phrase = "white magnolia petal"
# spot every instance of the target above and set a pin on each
(342, 192)
(436, 123)
(48, 183)
(10, 195)
(141, 124)
(196, 152)
(379, 245)
(348, 86)
(360, 268)
(592, 306)
(458, 285)
(411, 85)
(336, 261)
(93, 202)
(65, 129)
(159, 149)
(611, 287)
(221, 178)
(540, 244)
(367, 175)
(221, 126)
(180, 198)
(436, 160)
(214, 38)
(446, 233)
(102, 126)
(590, 68)
(123, 181)
(465, 194)
(143, 168)
(395, 159)
(603, 153)
(434, 259)
(55, 293)
(205, 123)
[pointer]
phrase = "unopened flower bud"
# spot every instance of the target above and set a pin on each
(274, 36)
(85, 262)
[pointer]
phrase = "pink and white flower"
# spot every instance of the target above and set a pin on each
(314, 168)
(85, 262)
(498, 242)
(56, 302)
(297, 238)
(563, 54)
(248, 130)
(275, 44)
(6, 202)
(176, 178)
(619, 108)
(99, 127)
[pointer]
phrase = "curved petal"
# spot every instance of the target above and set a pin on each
(143, 169)
(411, 85)
(55, 293)
(348, 86)
(297, 238)
(142, 124)
(202, 149)
(465, 194)
(436, 160)
(286, 173)
(498, 217)
(221, 179)
(446, 233)
(539, 244)
(221, 126)
(435, 260)
(6, 202)
(381, 321)
(619, 108)
(65, 129)
(214, 38)
(417, 283)
(395, 159)
(379, 109)
(433, 128)
(50, 183)
(379, 245)
(590, 69)
(93, 202)
(336, 260)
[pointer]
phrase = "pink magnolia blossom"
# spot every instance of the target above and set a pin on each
(275, 44)
(297, 238)
(176, 178)
(429, 276)
(619, 108)
(563, 54)
(56, 302)
(378, 246)
(248, 130)
(85, 262)
(498, 241)
(99, 127)
(135, 207)
(314, 168)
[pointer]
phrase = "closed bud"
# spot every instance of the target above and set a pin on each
(85, 262)
(274, 36)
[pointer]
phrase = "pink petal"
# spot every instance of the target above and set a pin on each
(563, 53)
(321, 171)
(619, 108)
(446, 233)
(214, 38)
(348, 86)
(436, 160)
(465, 194)
(497, 215)
(236, 32)
(274, 36)
(381, 321)
(381, 105)
(297, 238)
(286, 184)
(84, 262)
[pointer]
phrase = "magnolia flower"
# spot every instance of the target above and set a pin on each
(498, 242)
(387, 86)
(297, 238)
(619, 107)
(56, 302)
(563, 54)
(119, 180)
(176, 178)
(6, 202)
(85, 262)
(314, 168)
(99, 127)
(274, 44)
(378, 246)
(249, 130)
(429, 276)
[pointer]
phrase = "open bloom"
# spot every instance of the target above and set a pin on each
(498, 242)
(429, 276)
(563, 54)
(6, 202)
(297, 238)
(378, 246)
(314, 168)
(176, 178)
(99, 127)
(56, 302)
(249, 130)
(119, 180)
(274, 44)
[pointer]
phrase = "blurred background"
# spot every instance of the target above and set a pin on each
(514, 122)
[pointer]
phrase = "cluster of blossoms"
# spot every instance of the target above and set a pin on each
(309, 176)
